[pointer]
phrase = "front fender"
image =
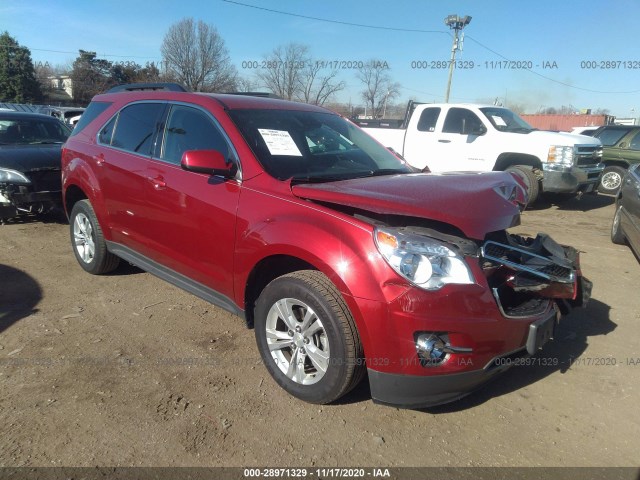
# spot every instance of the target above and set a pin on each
(77, 173)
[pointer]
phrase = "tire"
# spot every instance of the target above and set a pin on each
(530, 180)
(87, 240)
(317, 320)
(611, 180)
(617, 235)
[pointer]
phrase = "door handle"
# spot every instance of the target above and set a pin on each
(99, 159)
(444, 141)
(157, 182)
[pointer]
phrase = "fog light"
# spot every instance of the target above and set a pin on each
(431, 349)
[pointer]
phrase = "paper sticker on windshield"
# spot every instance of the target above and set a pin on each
(499, 121)
(279, 142)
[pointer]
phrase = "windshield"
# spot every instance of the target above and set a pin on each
(313, 146)
(505, 120)
(610, 136)
(30, 131)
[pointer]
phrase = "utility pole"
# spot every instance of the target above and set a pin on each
(455, 23)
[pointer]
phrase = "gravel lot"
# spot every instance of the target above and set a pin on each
(126, 370)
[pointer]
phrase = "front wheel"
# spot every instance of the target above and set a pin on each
(87, 240)
(617, 235)
(307, 337)
(611, 180)
(529, 178)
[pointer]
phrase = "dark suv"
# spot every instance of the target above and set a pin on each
(621, 148)
(345, 260)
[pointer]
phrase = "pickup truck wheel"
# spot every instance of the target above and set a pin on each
(307, 337)
(530, 180)
(617, 236)
(88, 242)
(611, 179)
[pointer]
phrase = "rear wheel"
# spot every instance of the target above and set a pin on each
(89, 246)
(307, 337)
(529, 178)
(611, 180)
(617, 236)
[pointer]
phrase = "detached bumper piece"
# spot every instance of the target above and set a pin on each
(525, 274)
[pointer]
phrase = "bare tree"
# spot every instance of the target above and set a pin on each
(379, 89)
(317, 89)
(284, 70)
(195, 55)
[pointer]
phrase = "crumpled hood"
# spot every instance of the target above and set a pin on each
(476, 203)
(26, 158)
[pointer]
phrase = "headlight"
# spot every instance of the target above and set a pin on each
(560, 155)
(12, 176)
(425, 262)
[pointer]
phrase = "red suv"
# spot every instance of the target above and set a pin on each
(345, 260)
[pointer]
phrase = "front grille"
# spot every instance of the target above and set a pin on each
(588, 155)
(48, 180)
(525, 261)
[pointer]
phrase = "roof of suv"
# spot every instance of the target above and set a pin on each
(226, 100)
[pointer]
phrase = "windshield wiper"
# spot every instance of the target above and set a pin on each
(47, 142)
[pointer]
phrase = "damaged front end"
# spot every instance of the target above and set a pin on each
(525, 274)
(34, 193)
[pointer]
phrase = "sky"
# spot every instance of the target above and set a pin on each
(579, 54)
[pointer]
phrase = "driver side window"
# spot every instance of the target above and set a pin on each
(461, 120)
(188, 128)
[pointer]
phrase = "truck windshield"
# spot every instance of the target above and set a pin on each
(313, 146)
(505, 120)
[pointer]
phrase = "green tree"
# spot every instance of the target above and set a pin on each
(90, 76)
(18, 81)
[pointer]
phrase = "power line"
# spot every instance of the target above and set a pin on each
(544, 76)
(351, 24)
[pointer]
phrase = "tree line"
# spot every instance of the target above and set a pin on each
(195, 55)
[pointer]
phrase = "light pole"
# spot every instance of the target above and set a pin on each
(456, 23)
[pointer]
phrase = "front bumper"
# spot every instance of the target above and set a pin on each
(25, 202)
(523, 286)
(571, 180)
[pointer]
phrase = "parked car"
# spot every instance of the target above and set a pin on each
(621, 148)
(30, 146)
(626, 221)
(588, 131)
(68, 115)
(344, 260)
(469, 137)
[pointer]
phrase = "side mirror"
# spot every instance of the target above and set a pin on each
(479, 130)
(211, 162)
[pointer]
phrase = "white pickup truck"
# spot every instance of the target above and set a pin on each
(469, 137)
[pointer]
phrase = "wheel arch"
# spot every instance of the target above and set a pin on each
(616, 163)
(508, 159)
(276, 265)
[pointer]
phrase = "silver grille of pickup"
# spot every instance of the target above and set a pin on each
(588, 155)
(523, 260)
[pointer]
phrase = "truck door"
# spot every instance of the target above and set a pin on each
(420, 139)
(461, 145)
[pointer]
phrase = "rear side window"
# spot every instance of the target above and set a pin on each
(428, 119)
(190, 129)
(90, 114)
(136, 127)
(635, 142)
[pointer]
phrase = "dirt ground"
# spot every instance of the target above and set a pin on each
(127, 370)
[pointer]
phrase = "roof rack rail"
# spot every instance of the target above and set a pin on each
(257, 94)
(135, 87)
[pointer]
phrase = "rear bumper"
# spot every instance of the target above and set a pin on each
(572, 180)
